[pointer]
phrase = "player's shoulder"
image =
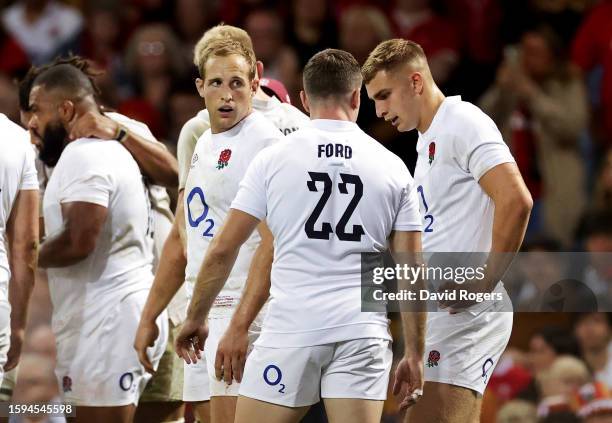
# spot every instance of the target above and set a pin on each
(198, 124)
(465, 117)
(84, 152)
(14, 140)
(259, 128)
(470, 126)
(294, 113)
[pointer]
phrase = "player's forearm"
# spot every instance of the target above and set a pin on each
(22, 236)
(257, 289)
(509, 226)
(169, 277)
(214, 272)
(23, 267)
(413, 329)
(59, 250)
(155, 162)
(179, 221)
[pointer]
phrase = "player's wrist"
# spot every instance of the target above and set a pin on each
(239, 325)
(121, 133)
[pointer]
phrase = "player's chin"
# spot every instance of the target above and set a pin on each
(228, 121)
(402, 127)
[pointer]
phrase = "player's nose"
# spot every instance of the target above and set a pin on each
(33, 122)
(380, 111)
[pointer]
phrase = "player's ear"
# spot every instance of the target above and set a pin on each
(199, 83)
(260, 69)
(304, 101)
(356, 98)
(254, 86)
(66, 111)
(417, 83)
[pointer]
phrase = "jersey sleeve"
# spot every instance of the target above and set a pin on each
(188, 138)
(251, 196)
(29, 178)
(90, 182)
(408, 218)
(480, 147)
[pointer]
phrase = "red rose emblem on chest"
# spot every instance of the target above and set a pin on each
(224, 158)
(432, 151)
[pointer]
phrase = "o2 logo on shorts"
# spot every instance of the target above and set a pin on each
(486, 366)
(273, 375)
(126, 381)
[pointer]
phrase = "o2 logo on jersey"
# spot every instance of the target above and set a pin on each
(428, 217)
(326, 227)
(272, 375)
(194, 223)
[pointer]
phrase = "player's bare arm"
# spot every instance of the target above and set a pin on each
(179, 222)
(513, 203)
(22, 235)
(214, 271)
(232, 348)
(406, 247)
(81, 228)
(168, 280)
(154, 160)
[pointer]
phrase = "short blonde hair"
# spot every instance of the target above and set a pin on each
(391, 54)
(224, 47)
(219, 32)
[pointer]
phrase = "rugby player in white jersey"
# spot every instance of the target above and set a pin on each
(18, 238)
(325, 199)
(98, 251)
(220, 159)
(171, 276)
(162, 398)
(473, 199)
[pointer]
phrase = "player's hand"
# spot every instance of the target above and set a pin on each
(93, 125)
(14, 352)
(189, 343)
(146, 334)
(231, 355)
(409, 380)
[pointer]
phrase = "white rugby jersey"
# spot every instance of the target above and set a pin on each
(17, 172)
(328, 193)
(284, 116)
(191, 131)
(103, 173)
(459, 147)
(219, 162)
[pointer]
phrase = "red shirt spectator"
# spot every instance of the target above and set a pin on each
(592, 47)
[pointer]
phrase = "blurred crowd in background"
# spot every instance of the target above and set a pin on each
(541, 69)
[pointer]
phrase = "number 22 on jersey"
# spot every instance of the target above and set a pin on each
(197, 192)
(326, 227)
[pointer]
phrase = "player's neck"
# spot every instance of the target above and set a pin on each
(431, 104)
(332, 113)
(260, 95)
